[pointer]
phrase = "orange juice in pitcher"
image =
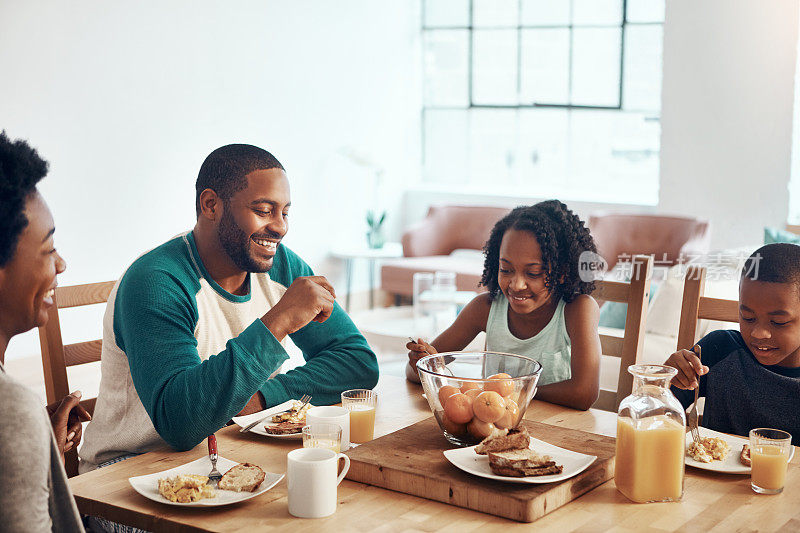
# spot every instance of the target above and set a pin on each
(651, 428)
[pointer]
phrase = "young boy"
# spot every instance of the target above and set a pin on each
(752, 379)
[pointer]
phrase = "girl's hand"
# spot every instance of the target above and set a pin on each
(418, 350)
(689, 369)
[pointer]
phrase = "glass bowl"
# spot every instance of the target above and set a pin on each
(475, 394)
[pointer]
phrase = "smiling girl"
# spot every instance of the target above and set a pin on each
(536, 304)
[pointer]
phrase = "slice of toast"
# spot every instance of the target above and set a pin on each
(525, 472)
(515, 439)
(525, 458)
(744, 456)
(285, 428)
(242, 477)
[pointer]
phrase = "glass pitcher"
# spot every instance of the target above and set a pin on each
(651, 441)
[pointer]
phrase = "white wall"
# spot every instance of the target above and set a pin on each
(727, 102)
(125, 99)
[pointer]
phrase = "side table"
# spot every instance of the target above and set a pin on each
(350, 254)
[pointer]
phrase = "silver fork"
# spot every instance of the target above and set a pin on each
(691, 414)
(215, 475)
(305, 399)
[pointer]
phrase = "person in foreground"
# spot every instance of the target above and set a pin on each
(193, 330)
(751, 378)
(536, 304)
(34, 494)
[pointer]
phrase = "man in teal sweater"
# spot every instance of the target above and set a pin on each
(193, 332)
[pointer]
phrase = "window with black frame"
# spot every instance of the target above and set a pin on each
(545, 98)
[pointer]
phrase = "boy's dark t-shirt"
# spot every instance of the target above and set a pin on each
(741, 393)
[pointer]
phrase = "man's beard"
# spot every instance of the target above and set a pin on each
(237, 245)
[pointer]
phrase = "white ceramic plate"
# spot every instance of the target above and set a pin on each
(243, 421)
(147, 485)
(574, 463)
(731, 464)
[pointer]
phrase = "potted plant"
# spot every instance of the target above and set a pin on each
(375, 236)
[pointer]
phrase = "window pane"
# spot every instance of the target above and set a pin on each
(614, 155)
(545, 66)
(596, 12)
(446, 136)
(494, 78)
(542, 152)
(494, 13)
(643, 46)
(545, 13)
(446, 67)
(446, 13)
(645, 10)
(595, 66)
(492, 139)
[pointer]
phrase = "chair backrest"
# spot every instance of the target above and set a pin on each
(666, 238)
(628, 347)
(56, 356)
(450, 227)
(696, 306)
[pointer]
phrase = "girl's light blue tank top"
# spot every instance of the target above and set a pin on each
(551, 346)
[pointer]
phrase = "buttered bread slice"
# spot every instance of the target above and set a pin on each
(515, 439)
(242, 477)
(524, 458)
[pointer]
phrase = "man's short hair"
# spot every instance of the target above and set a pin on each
(225, 169)
(21, 169)
(774, 263)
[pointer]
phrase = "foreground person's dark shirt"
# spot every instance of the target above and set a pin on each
(741, 393)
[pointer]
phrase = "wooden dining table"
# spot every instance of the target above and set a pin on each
(711, 501)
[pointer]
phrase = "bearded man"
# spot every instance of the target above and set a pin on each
(193, 332)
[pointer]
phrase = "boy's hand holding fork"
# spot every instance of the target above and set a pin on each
(689, 368)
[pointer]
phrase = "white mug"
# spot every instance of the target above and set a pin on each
(332, 415)
(312, 480)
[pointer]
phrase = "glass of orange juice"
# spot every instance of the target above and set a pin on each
(328, 436)
(769, 457)
(361, 403)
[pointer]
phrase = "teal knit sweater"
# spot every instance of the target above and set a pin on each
(194, 354)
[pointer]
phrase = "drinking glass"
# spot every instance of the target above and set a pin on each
(444, 300)
(769, 458)
(361, 403)
(423, 316)
(328, 436)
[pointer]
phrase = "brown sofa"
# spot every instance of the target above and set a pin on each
(667, 238)
(427, 247)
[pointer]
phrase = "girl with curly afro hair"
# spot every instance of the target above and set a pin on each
(536, 305)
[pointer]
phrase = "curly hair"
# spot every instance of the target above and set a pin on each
(561, 235)
(21, 168)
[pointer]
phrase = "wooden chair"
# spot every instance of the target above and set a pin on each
(696, 307)
(628, 347)
(56, 356)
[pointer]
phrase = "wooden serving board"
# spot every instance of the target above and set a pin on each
(410, 460)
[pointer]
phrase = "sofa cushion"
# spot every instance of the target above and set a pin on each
(774, 235)
(664, 314)
(397, 275)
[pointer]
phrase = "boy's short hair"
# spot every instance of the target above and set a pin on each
(225, 169)
(774, 263)
(21, 169)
